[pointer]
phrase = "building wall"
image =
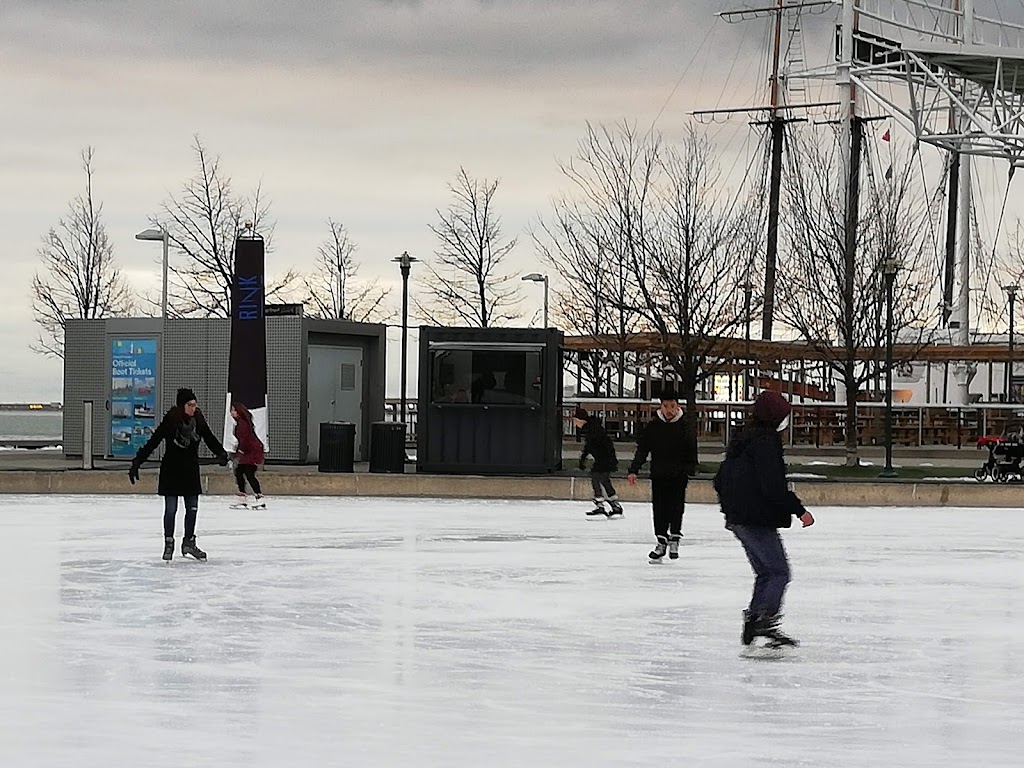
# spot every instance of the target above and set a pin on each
(194, 354)
(86, 377)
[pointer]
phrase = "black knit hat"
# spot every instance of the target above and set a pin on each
(668, 394)
(185, 395)
(771, 407)
(581, 413)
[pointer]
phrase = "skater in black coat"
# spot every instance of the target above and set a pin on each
(670, 443)
(180, 431)
(756, 502)
(596, 443)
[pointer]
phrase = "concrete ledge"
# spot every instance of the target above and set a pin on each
(286, 483)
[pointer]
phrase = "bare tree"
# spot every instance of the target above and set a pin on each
(837, 300)
(466, 284)
(662, 213)
(79, 278)
(203, 222)
(332, 290)
(594, 294)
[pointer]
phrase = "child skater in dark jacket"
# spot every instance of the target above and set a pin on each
(671, 444)
(756, 502)
(596, 443)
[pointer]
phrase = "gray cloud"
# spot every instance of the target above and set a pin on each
(465, 38)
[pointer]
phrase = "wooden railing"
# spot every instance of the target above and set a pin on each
(810, 425)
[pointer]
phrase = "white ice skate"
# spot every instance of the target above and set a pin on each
(259, 502)
(241, 501)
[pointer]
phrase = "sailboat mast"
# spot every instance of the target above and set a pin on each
(778, 128)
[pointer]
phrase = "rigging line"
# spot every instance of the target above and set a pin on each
(686, 70)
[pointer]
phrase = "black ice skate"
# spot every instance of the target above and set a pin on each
(673, 546)
(755, 626)
(659, 550)
(616, 510)
(598, 512)
(168, 547)
(188, 547)
(771, 632)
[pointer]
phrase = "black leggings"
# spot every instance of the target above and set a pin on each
(245, 472)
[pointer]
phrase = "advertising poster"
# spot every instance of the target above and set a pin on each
(133, 417)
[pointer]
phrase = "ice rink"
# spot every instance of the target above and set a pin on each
(380, 632)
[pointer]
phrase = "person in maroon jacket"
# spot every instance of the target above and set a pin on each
(248, 456)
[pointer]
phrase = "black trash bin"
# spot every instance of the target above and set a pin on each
(387, 447)
(337, 446)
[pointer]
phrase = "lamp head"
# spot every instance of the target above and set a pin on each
(153, 233)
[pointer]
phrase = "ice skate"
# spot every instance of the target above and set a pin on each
(673, 546)
(241, 501)
(656, 554)
(770, 630)
(763, 639)
(168, 547)
(259, 502)
(616, 511)
(188, 547)
(598, 512)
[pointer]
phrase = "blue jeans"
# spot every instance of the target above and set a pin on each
(767, 557)
(171, 509)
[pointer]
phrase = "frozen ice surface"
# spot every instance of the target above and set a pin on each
(378, 632)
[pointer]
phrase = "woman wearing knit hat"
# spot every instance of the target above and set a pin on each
(596, 443)
(182, 428)
(756, 502)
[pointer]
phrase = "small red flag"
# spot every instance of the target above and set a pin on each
(885, 136)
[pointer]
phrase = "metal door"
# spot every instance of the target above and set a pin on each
(335, 392)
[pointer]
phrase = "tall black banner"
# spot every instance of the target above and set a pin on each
(247, 363)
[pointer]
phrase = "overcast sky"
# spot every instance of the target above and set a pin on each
(360, 110)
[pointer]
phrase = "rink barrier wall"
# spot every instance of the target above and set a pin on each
(571, 488)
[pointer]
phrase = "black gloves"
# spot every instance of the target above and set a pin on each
(583, 464)
(133, 471)
(223, 459)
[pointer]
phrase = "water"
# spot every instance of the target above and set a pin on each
(35, 425)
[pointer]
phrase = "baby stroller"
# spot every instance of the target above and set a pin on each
(1005, 454)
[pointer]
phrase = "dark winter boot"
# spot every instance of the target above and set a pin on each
(673, 547)
(616, 509)
(659, 550)
(168, 547)
(188, 547)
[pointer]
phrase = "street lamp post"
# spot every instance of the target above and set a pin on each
(156, 234)
(405, 262)
(537, 277)
(1011, 293)
(889, 269)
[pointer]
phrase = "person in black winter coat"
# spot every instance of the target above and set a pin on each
(180, 431)
(756, 502)
(670, 443)
(596, 443)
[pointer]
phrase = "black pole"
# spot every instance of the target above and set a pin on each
(746, 341)
(405, 267)
(888, 471)
(778, 128)
(949, 268)
(1009, 363)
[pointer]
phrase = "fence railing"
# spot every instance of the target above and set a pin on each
(818, 425)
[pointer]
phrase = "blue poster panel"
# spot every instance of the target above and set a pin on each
(132, 394)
